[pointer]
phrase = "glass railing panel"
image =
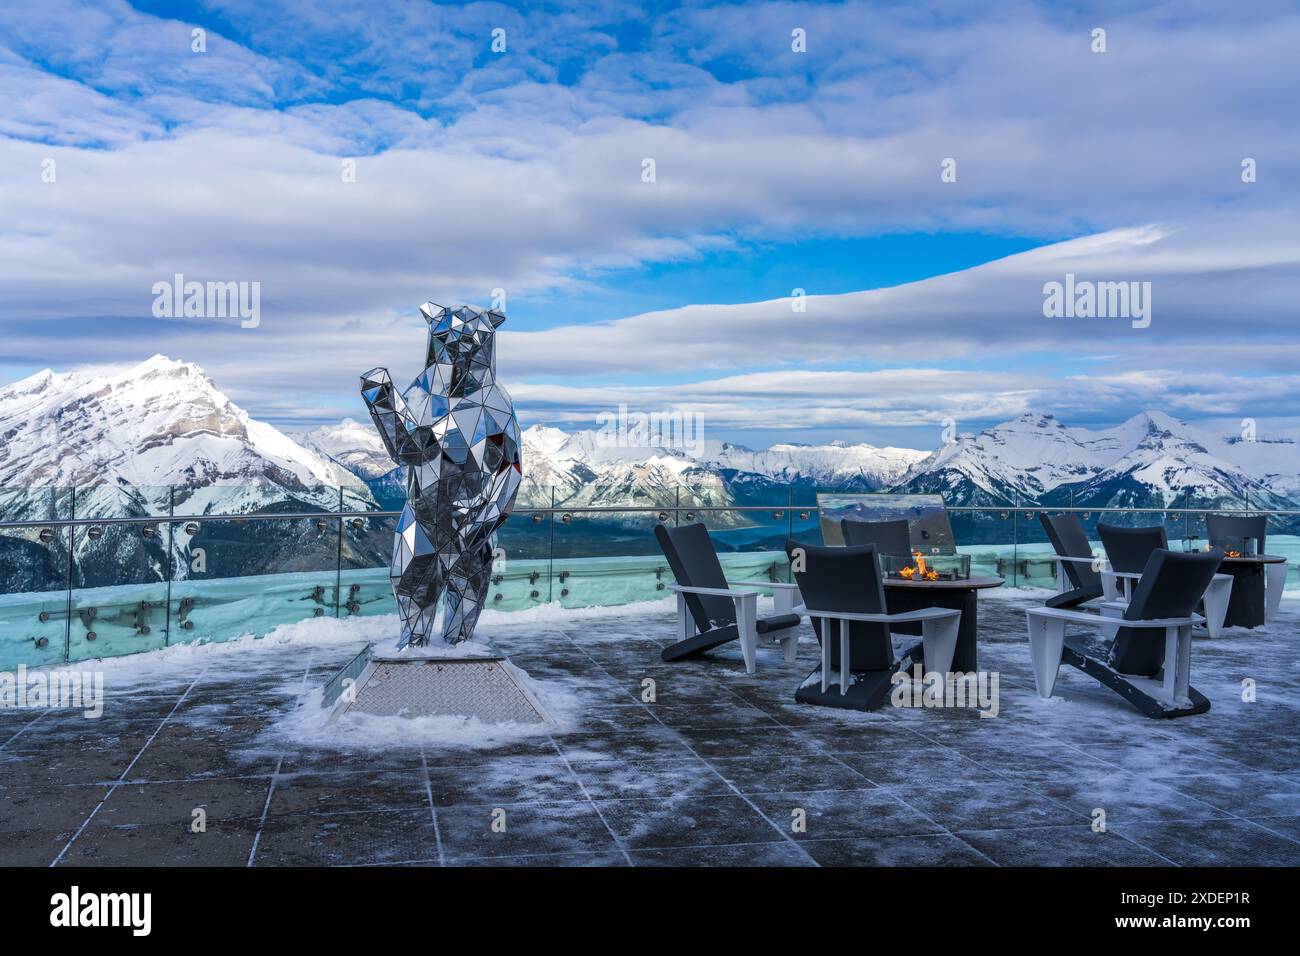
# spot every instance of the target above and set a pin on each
(750, 542)
(805, 526)
(367, 550)
(34, 598)
(1035, 567)
(1175, 523)
(34, 576)
(119, 581)
(521, 563)
(988, 535)
(366, 547)
(805, 523)
(610, 557)
(248, 575)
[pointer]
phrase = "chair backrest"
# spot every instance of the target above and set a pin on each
(838, 579)
(695, 564)
(1226, 531)
(845, 579)
(889, 537)
(1070, 541)
(1172, 584)
(1129, 549)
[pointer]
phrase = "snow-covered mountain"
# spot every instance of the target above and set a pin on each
(154, 425)
(1151, 460)
(160, 435)
(837, 465)
(154, 438)
(579, 468)
(354, 446)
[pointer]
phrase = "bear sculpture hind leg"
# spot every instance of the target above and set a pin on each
(417, 578)
(417, 591)
(468, 580)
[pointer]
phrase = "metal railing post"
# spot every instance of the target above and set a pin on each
(171, 568)
(72, 544)
(338, 561)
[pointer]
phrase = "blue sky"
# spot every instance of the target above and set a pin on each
(775, 169)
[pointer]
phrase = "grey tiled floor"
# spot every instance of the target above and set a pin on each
(716, 771)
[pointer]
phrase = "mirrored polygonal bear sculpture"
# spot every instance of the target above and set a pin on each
(454, 431)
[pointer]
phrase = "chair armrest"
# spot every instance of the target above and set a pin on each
(1162, 622)
(715, 592)
(775, 585)
(1083, 617)
(924, 614)
(1078, 559)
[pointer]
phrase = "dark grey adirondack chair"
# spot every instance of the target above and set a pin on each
(711, 611)
(844, 586)
(1076, 571)
(1128, 549)
(1141, 650)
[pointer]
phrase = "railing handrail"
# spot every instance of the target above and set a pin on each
(608, 509)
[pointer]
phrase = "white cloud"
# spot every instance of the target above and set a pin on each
(482, 174)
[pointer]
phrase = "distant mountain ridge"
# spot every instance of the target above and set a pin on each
(1151, 460)
(580, 469)
(125, 435)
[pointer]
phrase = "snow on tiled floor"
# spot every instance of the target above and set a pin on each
(717, 770)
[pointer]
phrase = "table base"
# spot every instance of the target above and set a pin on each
(964, 600)
(1246, 603)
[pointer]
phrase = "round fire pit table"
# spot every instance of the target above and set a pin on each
(904, 595)
(1253, 575)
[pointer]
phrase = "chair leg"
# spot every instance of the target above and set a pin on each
(1046, 640)
(1274, 585)
(1109, 614)
(939, 643)
(1183, 678)
(826, 654)
(1178, 665)
(685, 628)
(1216, 605)
(845, 679)
(748, 630)
(790, 644)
